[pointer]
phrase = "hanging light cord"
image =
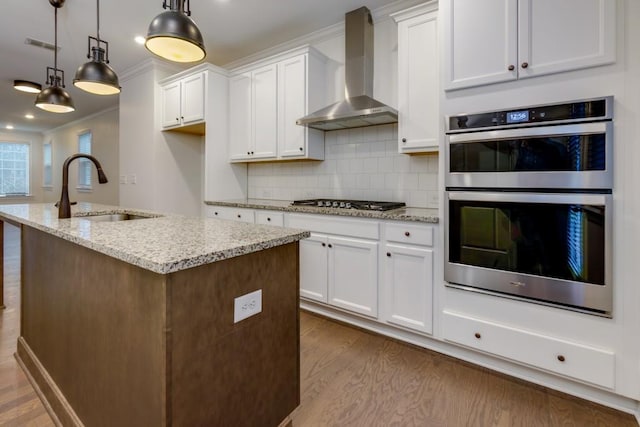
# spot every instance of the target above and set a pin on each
(55, 42)
(98, 12)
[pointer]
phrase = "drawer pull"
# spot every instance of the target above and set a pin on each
(389, 254)
(525, 64)
(239, 216)
(477, 335)
(511, 68)
(268, 219)
(406, 233)
(404, 140)
(215, 213)
(324, 244)
(330, 245)
(561, 358)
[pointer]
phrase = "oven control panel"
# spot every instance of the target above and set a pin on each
(586, 110)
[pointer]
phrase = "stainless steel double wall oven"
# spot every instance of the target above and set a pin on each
(528, 204)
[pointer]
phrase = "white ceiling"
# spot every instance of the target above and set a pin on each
(232, 29)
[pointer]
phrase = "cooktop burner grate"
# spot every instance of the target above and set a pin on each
(349, 204)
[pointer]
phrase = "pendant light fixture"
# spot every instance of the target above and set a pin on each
(96, 76)
(54, 98)
(27, 86)
(174, 36)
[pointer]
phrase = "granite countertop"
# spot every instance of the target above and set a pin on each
(401, 214)
(159, 243)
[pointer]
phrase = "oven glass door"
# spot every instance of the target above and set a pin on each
(553, 246)
(568, 156)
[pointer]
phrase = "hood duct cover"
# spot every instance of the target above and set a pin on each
(359, 109)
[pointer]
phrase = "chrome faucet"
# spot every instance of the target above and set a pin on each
(64, 207)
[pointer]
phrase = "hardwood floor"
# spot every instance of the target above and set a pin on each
(19, 404)
(351, 378)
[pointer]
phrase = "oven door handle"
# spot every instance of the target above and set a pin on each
(532, 132)
(513, 197)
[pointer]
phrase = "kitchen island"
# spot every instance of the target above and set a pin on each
(131, 323)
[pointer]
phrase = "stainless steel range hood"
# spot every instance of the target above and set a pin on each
(359, 109)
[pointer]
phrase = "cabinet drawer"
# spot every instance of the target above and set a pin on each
(334, 225)
(230, 213)
(585, 363)
(270, 218)
(409, 233)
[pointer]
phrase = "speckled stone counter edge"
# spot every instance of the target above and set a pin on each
(402, 214)
(189, 260)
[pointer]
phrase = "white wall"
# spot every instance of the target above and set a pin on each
(104, 147)
(167, 167)
(35, 172)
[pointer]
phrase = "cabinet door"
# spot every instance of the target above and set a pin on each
(409, 286)
(239, 116)
(265, 116)
(418, 76)
(480, 45)
(292, 105)
(564, 35)
(313, 267)
(193, 99)
(171, 105)
(353, 275)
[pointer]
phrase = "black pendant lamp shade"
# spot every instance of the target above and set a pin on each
(174, 36)
(54, 98)
(96, 76)
(27, 86)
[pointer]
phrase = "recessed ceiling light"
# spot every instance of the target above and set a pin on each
(140, 39)
(9, 127)
(28, 116)
(26, 86)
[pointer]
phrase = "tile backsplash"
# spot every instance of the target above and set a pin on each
(361, 163)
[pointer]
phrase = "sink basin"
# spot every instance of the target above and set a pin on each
(113, 217)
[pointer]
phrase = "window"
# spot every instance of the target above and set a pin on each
(47, 164)
(84, 165)
(14, 168)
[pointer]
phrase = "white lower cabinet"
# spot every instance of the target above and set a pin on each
(230, 213)
(353, 274)
(269, 218)
(575, 360)
(339, 262)
(409, 286)
(314, 269)
(408, 275)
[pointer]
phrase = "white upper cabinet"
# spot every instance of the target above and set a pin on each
(493, 41)
(183, 101)
(281, 90)
(240, 116)
(418, 79)
(252, 114)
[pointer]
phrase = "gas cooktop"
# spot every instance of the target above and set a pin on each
(349, 204)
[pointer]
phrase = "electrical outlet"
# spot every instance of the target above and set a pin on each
(247, 305)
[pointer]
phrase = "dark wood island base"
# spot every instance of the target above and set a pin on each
(109, 343)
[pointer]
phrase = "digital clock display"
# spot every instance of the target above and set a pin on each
(518, 116)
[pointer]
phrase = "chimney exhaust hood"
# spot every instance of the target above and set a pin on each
(359, 109)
